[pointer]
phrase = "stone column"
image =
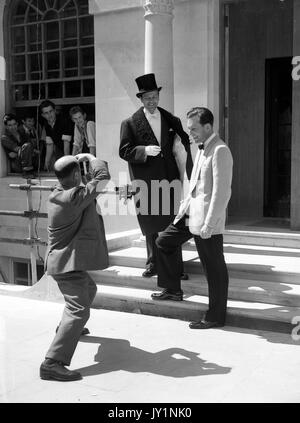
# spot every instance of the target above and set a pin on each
(159, 47)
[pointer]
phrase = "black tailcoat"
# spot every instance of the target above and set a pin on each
(136, 134)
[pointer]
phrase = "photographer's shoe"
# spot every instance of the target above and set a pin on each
(55, 370)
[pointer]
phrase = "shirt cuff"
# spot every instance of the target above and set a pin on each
(49, 140)
(66, 138)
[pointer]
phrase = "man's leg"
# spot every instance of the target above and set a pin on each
(151, 267)
(79, 291)
(26, 156)
(92, 293)
(92, 287)
(212, 258)
(169, 257)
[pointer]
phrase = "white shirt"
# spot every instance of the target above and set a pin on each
(200, 154)
(90, 135)
(206, 142)
(154, 120)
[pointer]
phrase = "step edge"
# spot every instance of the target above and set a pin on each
(198, 306)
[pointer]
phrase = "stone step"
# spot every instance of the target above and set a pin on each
(114, 241)
(265, 238)
(244, 262)
(255, 316)
(245, 248)
(239, 289)
(252, 315)
(286, 239)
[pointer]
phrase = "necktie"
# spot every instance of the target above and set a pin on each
(201, 146)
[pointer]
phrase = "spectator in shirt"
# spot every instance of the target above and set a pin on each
(84, 132)
(17, 147)
(34, 133)
(58, 134)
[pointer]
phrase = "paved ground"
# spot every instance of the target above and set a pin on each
(132, 358)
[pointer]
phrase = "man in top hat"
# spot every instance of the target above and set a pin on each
(147, 144)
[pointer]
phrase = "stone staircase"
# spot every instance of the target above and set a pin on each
(264, 287)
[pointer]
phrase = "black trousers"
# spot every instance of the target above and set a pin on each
(211, 254)
(151, 251)
(151, 262)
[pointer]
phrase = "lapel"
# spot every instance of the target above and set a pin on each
(199, 160)
(143, 128)
(164, 132)
(12, 137)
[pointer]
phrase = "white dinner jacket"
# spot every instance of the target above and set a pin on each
(209, 189)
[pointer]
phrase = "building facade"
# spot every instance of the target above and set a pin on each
(234, 57)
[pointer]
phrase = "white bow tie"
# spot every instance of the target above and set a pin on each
(154, 115)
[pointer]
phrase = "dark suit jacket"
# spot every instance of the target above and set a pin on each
(136, 134)
(76, 236)
(10, 143)
(21, 147)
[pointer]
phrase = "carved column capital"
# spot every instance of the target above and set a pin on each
(158, 7)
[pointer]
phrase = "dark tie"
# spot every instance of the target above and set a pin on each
(201, 146)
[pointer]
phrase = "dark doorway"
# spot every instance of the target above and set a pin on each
(278, 124)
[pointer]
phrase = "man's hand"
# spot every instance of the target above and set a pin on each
(84, 157)
(206, 232)
(12, 154)
(152, 150)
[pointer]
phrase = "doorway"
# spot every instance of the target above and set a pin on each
(278, 126)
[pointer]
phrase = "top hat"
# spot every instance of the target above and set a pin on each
(146, 83)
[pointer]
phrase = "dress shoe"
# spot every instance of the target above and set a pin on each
(204, 324)
(57, 371)
(167, 295)
(148, 273)
(85, 331)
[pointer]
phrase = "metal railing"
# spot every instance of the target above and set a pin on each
(124, 192)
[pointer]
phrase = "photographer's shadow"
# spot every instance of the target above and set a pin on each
(118, 354)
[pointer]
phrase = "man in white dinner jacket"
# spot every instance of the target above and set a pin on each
(201, 215)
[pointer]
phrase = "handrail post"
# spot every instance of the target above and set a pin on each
(30, 230)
